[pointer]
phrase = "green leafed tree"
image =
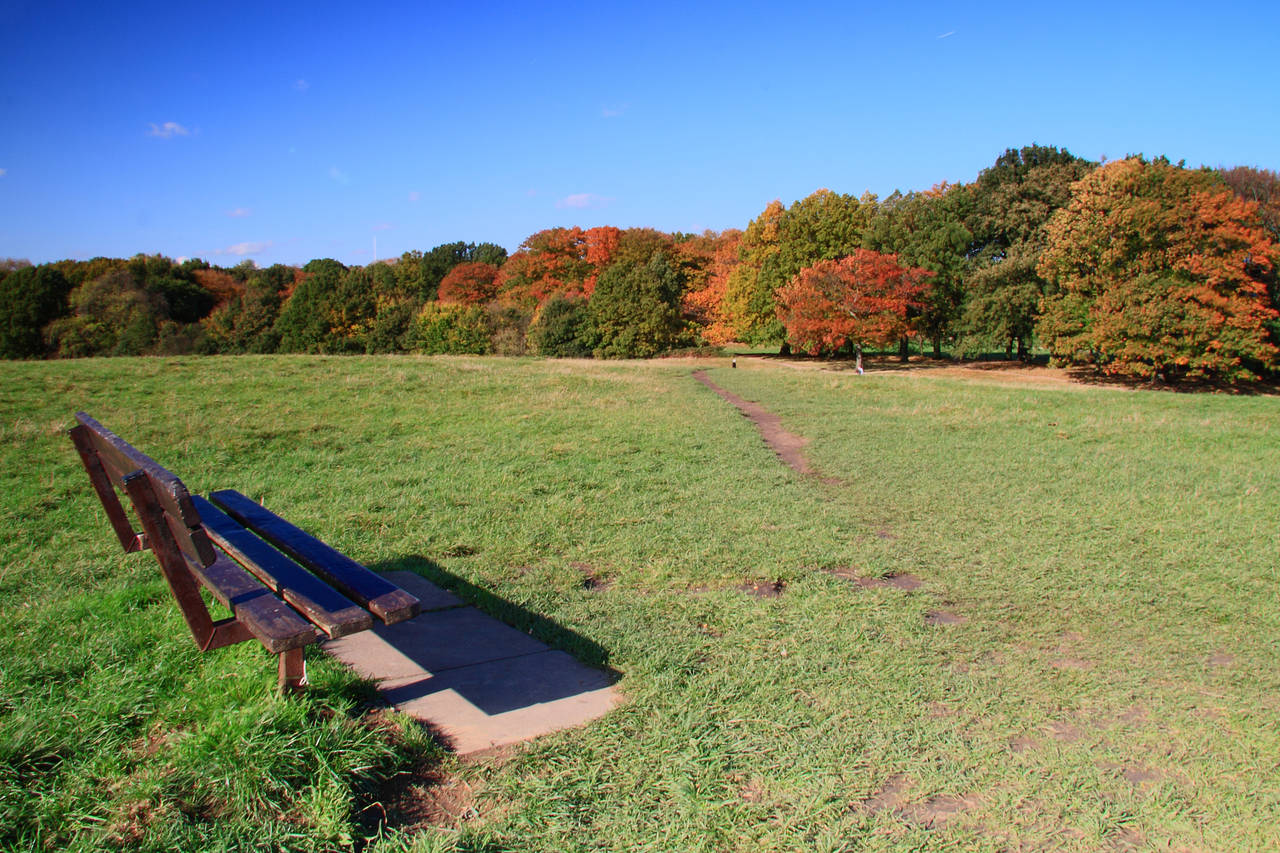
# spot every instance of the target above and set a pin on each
(30, 298)
(927, 230)
(559, 328)
(635, 310)
(1007, 211)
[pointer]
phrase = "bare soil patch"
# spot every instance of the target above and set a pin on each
(591, 579)
(890, 796)
(1023, 743)
(931, 813)
(1064, 732)
(763, 589)
(943, 617)
(418, 798)
(936, 811)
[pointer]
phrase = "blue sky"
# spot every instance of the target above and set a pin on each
(282, 132)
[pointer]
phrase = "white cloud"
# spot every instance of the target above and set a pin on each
(339, 175)
(3, 172)
(168, 130)
(301, 85)
(583, 200)
(947, 35)
(613, 111)
(415, 196)
(239, 213)
(242, 249)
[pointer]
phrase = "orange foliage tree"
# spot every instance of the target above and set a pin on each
(867, 298)
(470, 284)
(710, 259)
(550, 262)
(1158, 275)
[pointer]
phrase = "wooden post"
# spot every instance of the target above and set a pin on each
(293, 671)
(129, 539)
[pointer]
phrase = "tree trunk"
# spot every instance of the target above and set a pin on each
(785, 349)
(1022, 349)
(858, 350)
(1008, 350)
(937, 348)
(904, 350)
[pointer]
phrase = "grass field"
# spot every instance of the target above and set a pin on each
(1089, 661)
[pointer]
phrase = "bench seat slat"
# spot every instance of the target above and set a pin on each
(336, 615)
(268, 618)
(386, 600)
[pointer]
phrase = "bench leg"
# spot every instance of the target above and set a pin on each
(293, 671)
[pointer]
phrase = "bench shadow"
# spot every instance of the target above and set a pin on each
(525, 660)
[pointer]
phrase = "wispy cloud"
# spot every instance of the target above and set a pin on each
(415, 196)
(383, 226)
(168, 130)
(239, 213)
(3, 172)
(583, 200)
(242, 249)
(301, 85)
(613, 111)
(339, 175)
(947, 35)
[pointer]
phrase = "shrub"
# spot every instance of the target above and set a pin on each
(451, 330)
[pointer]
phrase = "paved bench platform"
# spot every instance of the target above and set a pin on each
(476, 680)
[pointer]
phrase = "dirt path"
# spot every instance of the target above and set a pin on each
(787, 445)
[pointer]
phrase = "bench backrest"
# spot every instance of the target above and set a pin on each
(159, 498)
(171, 526)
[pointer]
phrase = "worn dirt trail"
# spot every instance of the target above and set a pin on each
(787, 445)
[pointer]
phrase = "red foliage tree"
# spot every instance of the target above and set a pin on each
(865, 298)
(601, 248)
(470, 284)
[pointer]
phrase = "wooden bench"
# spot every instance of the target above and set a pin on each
(284, 587)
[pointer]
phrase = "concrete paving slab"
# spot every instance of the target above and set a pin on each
(431, 596)
(478, 681)
(503, 702)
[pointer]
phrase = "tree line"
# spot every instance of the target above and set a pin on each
(1138, 267)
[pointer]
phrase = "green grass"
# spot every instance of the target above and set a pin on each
(1113, 554)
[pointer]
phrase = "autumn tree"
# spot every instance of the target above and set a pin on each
(470, 284)
(865, 299)
(749, 308)
(709, 260)
(1007, 211)
(1155, 266)
(548, 262)
(1262, 186)
(246, 322)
